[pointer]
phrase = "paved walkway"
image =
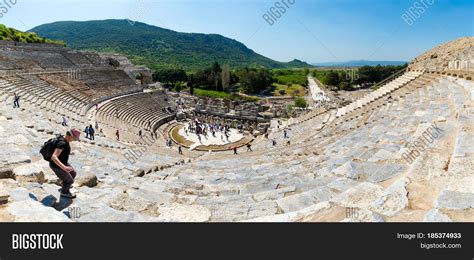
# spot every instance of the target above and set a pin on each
(317, 93)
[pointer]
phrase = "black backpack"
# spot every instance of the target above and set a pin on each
(48, 148)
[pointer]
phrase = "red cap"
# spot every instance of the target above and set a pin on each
(75, 134)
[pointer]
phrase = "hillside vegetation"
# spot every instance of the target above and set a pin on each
(156, 47)
(11, 34)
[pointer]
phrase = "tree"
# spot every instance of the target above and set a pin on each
(216, 75)
(170, 76)
(178, 86)
(332, 78)
(254, 80)
(306, 71)
(225, 77)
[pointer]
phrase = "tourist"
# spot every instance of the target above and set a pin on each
(274, 142)
(180, 150)
(96, 126)
(59, 162)
(16, 101)
(249, 147)
(140, 134)
(87, 132)
(64, 123)
(285, 134)
(235, 150)
(91, 133)
(288, 143)
(117, 134)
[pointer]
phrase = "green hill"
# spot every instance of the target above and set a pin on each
(156, 47)
(11, 34)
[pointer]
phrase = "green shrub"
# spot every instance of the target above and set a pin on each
(10, 34)
(300, 102)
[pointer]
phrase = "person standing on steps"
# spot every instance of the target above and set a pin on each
(16, 101)
(64, 123)
(180, 150)
(249, 147)
(117, 134)
(59, 161)
(140, 133)
(87, 132)
(235, 150)
(91, 133)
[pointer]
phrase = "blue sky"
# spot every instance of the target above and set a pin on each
(309, 30)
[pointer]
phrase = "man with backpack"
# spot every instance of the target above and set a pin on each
(57, 151)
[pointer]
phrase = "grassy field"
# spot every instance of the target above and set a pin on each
(289, 82)
(290, 76)
(223, 95)
(292, 91)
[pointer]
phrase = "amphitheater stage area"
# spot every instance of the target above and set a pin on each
(181, 135)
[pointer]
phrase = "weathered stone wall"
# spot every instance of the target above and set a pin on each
(457, 55)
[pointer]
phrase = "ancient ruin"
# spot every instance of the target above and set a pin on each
(401, 153)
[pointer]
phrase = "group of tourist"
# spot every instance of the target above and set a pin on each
(90, 132)
(235, 148)
(169, 144)
(200, 128)
(285, 136)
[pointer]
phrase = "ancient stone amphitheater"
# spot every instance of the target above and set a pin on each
(361, 162)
